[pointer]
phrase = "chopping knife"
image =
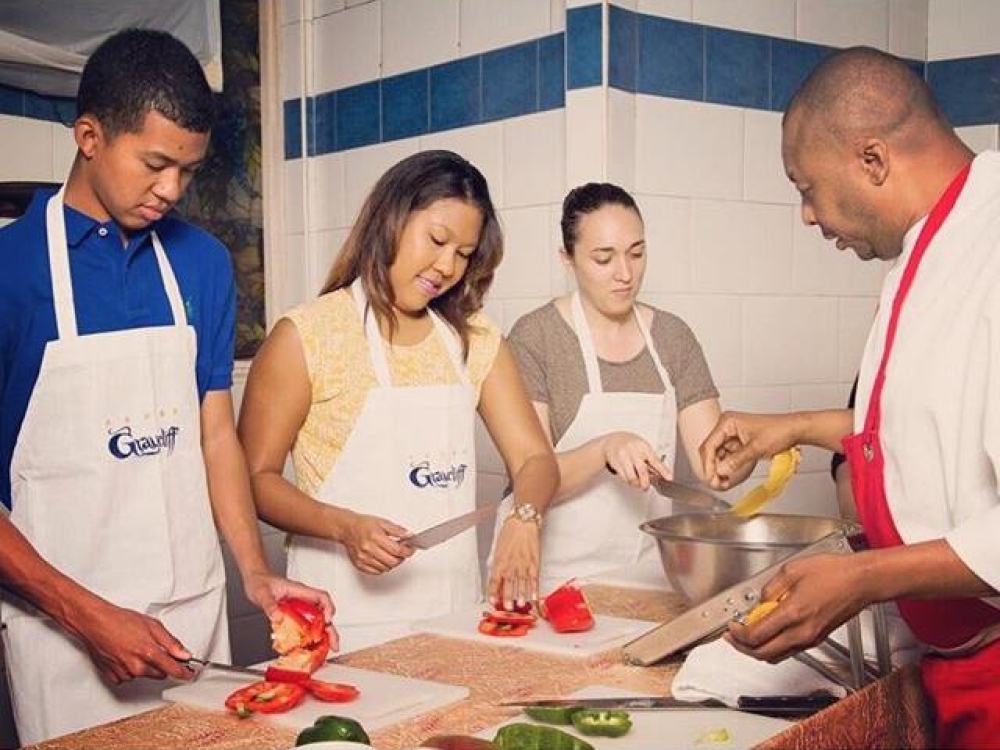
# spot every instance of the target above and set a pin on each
(691, 496)
(195, 662)
(786, 705)
(442, 532)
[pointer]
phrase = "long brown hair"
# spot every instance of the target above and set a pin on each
(370, 249)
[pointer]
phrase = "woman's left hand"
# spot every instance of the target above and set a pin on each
(514, 577)
(265, 589)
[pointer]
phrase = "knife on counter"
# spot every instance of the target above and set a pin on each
(442, 532)
(778, 705)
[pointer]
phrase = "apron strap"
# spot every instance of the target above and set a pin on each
(170, 283)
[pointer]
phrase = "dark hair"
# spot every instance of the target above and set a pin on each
(587, 199)
(137, 71)
(370, 249)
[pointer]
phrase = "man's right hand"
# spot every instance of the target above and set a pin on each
(373, 543)
(739, 440)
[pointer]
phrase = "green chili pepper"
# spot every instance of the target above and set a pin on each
(552, 714)
(602, 723)
(535, 737)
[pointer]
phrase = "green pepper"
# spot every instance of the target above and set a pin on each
(330, 728)
(534, 737)
(552, 714)
(602, 723)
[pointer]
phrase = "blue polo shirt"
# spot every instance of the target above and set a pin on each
(115, 288)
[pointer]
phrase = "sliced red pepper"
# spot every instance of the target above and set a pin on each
(332, 692)
(489, 627)
(509, 618)
(266, 698)
(567, 610)
(280, 674)
(306, 615)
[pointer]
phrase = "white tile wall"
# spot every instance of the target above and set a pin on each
(418, 33)
(327, 203)
(979, 137)
(482, 145)
(346, 48)
(764, 179)
(682, 10)
(63, 151)
(908, 28)
(323, 248)
(526, 250)
(788, 340)
(621, 138)
(842, 23)
(293, 195)
(291, 56)
(818, 267)
(557, 16)
(326, 7)
(586, 141)
(963, 28)
(559, 278)
(714, 319)
(297, 282)
(668, 243)
(855, 316)
(534, 160)
(363, 167)
(289, 11)
(487, 24)
(27, 149)
(772, 17)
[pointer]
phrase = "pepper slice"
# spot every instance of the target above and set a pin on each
(509, 618)
(535, 737)
(567, 610)
(502, 629)
(332, 692)
(265, 698)
(602, 723)
(553, 714)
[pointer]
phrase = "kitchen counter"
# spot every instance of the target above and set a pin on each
(888, 714)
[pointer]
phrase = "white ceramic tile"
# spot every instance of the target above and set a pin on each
(688, 148)
(740, 247)
(534, 159)
(621, 138)
(346, 48)
(627, 4)
(764, 179)
(363, 167)
(487, 456)
(487, 24)
(418, 33)
(772, 17)
(578, 3)
(480, 144)
(557, 16)
(323, 248)
(63, 151)
(908, 28)
(515, 309)
(962, 28)
(522, 273)
(586, 141)
(289, 11)
(326, 191)
(493, 309)
(855, 316)
(715, 321)
(293, 189)
(818, 266)
(786, 340)
(291, 61)
(355, 3)
(668, 243)
(811, 494)
(979, 137)
(295, 289)
(560, 281)
(822, 396)
(680, 9)
(322, 8)
(27, 149)
(843, 23)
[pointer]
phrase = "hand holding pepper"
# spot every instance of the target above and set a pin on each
(514, 578)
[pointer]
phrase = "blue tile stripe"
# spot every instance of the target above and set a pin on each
(21, 103)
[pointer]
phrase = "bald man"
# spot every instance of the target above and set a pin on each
(880, 171)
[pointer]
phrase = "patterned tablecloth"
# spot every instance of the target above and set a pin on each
(888, 714)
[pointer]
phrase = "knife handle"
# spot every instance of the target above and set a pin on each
(806, 704)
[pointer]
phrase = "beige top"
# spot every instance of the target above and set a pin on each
(341, 374)
(551, 363)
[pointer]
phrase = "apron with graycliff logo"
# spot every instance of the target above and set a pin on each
(108, 484)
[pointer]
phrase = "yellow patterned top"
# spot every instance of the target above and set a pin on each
(341, 374)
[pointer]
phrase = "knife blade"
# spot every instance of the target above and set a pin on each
(770, 704)
(442, 532)
(219, 666)
(691, 496)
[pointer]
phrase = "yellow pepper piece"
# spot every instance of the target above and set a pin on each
(759, 612)
(783, 466)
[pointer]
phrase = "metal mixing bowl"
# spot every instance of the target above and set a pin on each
(704, 553)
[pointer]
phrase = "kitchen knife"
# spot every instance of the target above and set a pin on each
(795, 705)
(690, 496)
(442, 532)
(194, 661)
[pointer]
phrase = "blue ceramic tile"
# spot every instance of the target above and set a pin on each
(52, 108)
(11, 101)
(405, 105)
(456, 96)
(322, 132)
(968, 89)
(791, 62)
(510, 81)
(917, 66)
(583, 42)
(622, 43)
(671, 58)
(737, 68)
(293, 128)
(551, 72)
(358, 116)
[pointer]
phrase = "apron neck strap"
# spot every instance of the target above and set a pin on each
(376, 347)
(586, 340)
(62, 283)
(935, 219)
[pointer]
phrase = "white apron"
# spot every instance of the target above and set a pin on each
(597, 529)
(108, 484)
(410, 459)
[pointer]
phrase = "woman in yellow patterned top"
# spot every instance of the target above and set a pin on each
(373, 388)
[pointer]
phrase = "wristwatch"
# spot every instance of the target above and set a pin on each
(527, 513)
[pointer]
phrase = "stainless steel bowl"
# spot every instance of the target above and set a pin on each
(704, 553)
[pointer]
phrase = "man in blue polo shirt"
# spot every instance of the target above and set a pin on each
(116, 423)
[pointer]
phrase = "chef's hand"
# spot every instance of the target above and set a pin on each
(514, 577)
(373, 543)
(265, 590)
(633, 459)
(739, 440)
(815, 595)
(125, 644)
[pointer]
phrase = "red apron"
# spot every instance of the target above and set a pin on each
(964, 690)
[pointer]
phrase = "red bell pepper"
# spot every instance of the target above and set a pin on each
(501, 629)
(265, 698)
(567, 610)
(332, 692)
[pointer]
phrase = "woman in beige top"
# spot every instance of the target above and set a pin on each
(373, 387)
(613, 382)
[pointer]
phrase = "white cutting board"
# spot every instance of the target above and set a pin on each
(608, 632)
(385, 698)
(678, 729)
